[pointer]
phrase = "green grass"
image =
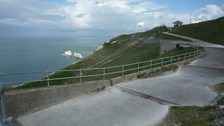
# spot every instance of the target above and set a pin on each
(180, 51)
(155, 32)
(136, 54)
(210, 31)
(218, 87)
(188, 116)
(118, 51)
(195, 116)
(139, 54)
(169, 37)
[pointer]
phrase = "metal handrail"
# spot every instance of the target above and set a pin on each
(160, 61)
(139, 65)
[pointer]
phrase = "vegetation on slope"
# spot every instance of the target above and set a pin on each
(218, 87)
(124, 49)
(99, 71)
(210, 31)
(197, 116)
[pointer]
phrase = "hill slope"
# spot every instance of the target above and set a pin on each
(210, 31)
(123, 49)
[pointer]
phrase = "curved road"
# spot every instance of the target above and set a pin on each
(189, 85)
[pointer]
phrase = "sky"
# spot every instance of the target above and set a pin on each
(42, 18)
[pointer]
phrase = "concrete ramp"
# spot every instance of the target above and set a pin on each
(111, 107)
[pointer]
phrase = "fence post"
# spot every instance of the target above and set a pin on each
(4, 121)
(1, 79)
(138, 67)
(151, 64)
(48, 82)
(3, 107)
(161, 62)
(80, 75)
(104, 71)
(171, 60)
(122, 70)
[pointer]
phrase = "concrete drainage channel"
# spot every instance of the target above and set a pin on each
(146, 96)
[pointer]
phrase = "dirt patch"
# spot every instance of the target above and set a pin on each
(158, 72)
(218, 87)
(166, 45)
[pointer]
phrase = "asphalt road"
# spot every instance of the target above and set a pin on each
(189, 85)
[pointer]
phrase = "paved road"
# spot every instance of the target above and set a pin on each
(189, 85)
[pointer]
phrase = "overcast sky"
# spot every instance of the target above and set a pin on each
(99, 17)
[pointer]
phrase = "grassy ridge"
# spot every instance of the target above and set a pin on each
(210, 31)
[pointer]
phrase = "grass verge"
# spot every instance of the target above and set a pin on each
(158, 72)
(218, 87)
(210, 31)
(197, 116)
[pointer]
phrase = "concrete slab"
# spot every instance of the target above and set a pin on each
(111, 107)
(186, 86)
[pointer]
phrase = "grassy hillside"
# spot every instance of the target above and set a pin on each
(210, 31)
(124, 49)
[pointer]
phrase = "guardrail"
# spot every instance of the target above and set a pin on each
(91, 74)
(81, 75)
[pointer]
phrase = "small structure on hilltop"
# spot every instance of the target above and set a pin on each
(177, 23)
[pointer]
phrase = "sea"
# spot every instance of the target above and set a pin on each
(25, 59)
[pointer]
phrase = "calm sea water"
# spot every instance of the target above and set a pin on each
(30, 55)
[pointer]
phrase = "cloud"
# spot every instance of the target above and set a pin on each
(107, 16)
(140, 24)
(209, 12)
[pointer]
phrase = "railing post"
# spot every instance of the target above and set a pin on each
(1, 78)
(3, 107)
(48, 82)
(80, 75)
(161, 62)
(4, 121)
(122, 70)
(151, 64)
(104, 71)
(138, 67)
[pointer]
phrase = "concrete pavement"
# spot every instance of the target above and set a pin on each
(189, 85)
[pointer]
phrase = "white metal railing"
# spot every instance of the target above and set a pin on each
(80, 75)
